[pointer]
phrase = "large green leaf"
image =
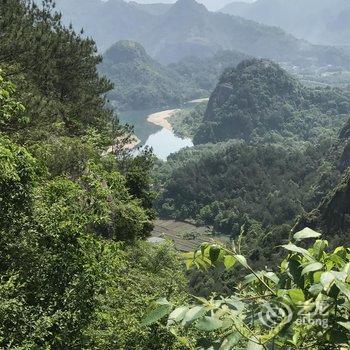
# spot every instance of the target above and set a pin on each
(293, 248)
(271, 276)
(229, 261)
(344, 288)
(327, 279)
(230, 341)
(156, 314)
(296, 295)
(316, 289)
(214, 253)
(346, 268)
(306, 233)
(235, 302)
(316, 266)
(295, 268)
(193, 314)
(208, 324)
(178, 314)
(345, 325)
(319, 248)
(254, 346)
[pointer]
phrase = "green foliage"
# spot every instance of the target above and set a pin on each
(45, 226)
(65, 204)
(267, 183)
(57, 78)
(258, 98)
(303, 304)
(17, 176)
(281, 159)
(135, 276)
(12, 112)
(57, 272)
(205, 71)
(185, 123)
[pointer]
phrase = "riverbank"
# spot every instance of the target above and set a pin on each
(199, 100)
(160, 118)
(133, 142)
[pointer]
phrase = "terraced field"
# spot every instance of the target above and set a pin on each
(185, 236)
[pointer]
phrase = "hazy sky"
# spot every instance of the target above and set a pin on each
(210, 4)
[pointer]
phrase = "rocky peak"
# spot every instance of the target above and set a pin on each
(125, 51)
(188, 6)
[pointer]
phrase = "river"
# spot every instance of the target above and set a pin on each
(152, 129)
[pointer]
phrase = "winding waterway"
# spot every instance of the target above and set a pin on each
(153, 130)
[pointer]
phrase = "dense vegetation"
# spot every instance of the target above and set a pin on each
(71, 269)
(205, 71)
(186, 122)
(258, 97)
(232, 184)
(302, 304)
(140, 82)
(274, 154)
(76, 271)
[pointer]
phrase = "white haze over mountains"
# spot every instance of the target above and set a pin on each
(210, 4)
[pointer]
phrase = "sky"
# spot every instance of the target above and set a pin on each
(210, 4)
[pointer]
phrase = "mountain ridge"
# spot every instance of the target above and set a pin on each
(188, 28)
(318, 21)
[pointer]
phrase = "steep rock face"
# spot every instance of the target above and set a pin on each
(332, 217)
(262, 81)
(220, 95)
(245, 97)
(344, 140)
(126, 52)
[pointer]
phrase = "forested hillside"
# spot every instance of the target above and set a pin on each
(205, 71)
(140, 82)
(258, 99)
(269, 150)
(332, 214)
(77, 207)
(70, 217)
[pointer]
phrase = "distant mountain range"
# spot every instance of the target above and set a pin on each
(318, 21)
(187, 28)
(153, 9)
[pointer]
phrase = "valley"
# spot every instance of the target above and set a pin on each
(154, 130)
(173, 177)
